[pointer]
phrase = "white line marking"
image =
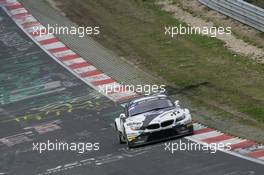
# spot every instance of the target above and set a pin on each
(207, 135)
(53, 169)
(71, 164)
(64, 53)
(231, 141)
(97, 78)
(35, 28)
(26, 20)
(44, 37)
(18, 11)
(261, 158)
(87, 160)
(74, 61)
(85, 69)
(51, 46)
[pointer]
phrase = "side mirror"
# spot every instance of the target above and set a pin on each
(177, 104)
(122, 116)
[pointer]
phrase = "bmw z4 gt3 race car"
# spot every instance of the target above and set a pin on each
(152, 118)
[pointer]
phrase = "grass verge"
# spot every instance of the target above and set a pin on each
(135, 29)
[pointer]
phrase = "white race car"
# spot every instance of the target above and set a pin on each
(152, 118)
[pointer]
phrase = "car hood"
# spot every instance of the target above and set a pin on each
(158, 116)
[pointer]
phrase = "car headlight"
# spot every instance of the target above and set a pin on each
(180, 118)
(135, 125)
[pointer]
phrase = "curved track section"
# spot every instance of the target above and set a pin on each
(44, 98)
(63, 55)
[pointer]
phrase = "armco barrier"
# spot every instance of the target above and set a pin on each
(240, 10)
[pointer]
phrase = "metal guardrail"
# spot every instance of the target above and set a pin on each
(240, 10)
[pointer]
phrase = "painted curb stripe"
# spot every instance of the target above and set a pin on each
(18, 11)
(69, 57)
(217, 139)
(244, 144)
(30, 24)
(53, 45)
(43, 37)
(97, 78)
(21, 15)
(64, 53)
(39, 32)
(90, 73)
(14, 6)
(207, 135)
(103, 82)
(74, 61)
(84, 69)
(79, 65)
(231, 141)
(48, 41)
(204, 130)
(28, 19)
(256, 154)
(36, 28)
(58, 49)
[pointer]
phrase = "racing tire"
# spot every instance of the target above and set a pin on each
(119, 136)
(121, 141)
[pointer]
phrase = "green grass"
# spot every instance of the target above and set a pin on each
(135, 29)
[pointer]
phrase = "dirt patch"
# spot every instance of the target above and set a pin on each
(241, 30)
(231, 41)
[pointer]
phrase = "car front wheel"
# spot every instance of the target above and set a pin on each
(120, 136)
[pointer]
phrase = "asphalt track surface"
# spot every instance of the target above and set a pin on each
(40, 101)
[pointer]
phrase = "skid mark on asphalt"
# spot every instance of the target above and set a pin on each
(17, 139)
(46, 126)
(241, 173)
(122, 153)
(33, 86)
(59, 109)
(74, 67)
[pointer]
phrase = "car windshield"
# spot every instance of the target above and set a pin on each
(148, 105)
